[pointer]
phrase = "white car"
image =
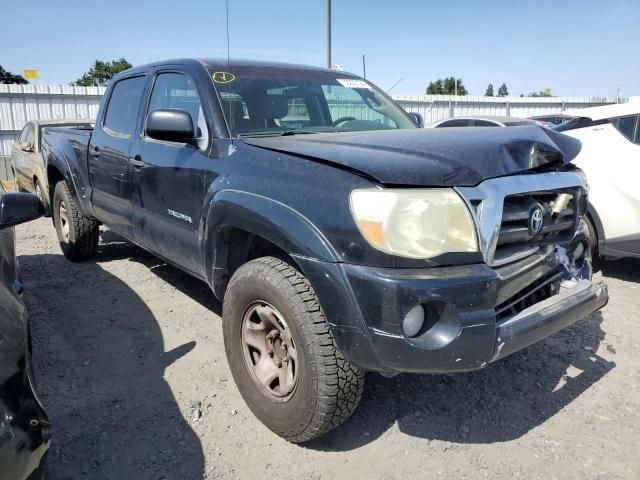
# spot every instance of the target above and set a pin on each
(610, 157)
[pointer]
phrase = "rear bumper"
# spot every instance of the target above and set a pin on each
(366, 306)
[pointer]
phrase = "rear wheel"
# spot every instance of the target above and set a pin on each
(282, 355)
(78, 235)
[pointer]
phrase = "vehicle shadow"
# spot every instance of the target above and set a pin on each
(114, 247)
(100, 361)
(627, 269)
(501, 403)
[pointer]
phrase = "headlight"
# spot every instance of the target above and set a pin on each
(414, 223)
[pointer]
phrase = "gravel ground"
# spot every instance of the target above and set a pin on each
(130, 365)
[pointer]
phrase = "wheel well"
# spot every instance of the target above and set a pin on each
(242, 247)
(594, 218)
(595, 228)
(53, 176)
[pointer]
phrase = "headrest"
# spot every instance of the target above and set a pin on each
(276, 106)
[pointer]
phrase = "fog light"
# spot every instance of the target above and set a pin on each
(413, 321)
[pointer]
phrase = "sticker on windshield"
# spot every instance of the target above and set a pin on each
(352, 83)
(223, 77)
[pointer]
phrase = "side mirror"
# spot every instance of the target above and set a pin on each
(17, 208)
(25, 147)
(417, 119)
(171, 125)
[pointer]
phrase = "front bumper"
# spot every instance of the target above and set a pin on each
(365, 307)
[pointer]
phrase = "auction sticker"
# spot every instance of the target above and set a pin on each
(352, 83)
(223, 77)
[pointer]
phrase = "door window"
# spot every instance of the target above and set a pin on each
(31, 135)
(484, 123)
(175, 90)
(626, 126)
(455, 123)
(23, 134)
(124, 105)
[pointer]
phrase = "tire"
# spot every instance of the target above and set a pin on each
(596, 259)
(593, 237)
(324, 389)
(39, 191)
(78, 235)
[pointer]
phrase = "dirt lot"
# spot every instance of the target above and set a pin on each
(130, 365)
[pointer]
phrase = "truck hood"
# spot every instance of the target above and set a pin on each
(434, 157)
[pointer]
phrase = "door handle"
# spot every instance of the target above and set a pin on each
(137, 161)
(96, 151)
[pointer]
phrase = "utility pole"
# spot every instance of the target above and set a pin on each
(455, 91)
(364, 67)
(328, 33)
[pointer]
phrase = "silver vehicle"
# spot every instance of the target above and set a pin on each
(487, 121)
(26, 161)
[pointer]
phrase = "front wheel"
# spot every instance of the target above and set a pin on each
(282, 355)
(77, 234)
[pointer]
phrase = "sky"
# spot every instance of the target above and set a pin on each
(575, 48)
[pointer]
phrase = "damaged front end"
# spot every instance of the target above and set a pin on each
(535, 238)
(534, 280)
(555, 300)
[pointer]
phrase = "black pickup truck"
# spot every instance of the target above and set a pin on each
(340, 237)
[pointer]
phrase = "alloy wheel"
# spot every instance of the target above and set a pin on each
(269, 351)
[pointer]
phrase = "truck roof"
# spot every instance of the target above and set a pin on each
(234, 62)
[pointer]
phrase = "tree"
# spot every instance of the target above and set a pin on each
(447, 86)
(8, 77)
(101, 72)
(539, 94)
(489, 92)
(502, 91)
(435, 88)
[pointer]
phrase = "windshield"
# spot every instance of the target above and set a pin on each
(275, 101)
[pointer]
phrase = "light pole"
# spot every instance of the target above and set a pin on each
(328, 33)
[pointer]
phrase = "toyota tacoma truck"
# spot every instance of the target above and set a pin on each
(340, 237)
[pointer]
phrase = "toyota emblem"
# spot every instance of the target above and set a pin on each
(536, 220)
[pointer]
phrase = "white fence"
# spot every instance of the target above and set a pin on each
(21, 103)
(439, 107)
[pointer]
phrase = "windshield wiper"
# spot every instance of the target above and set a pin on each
(284, 133)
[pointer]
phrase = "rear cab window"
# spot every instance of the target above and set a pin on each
(123, 107)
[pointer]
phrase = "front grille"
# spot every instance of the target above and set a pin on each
(539, 290)
(517, 229)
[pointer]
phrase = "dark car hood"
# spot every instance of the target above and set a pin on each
(437, 157)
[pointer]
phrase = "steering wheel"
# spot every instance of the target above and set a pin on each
(340, 120)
